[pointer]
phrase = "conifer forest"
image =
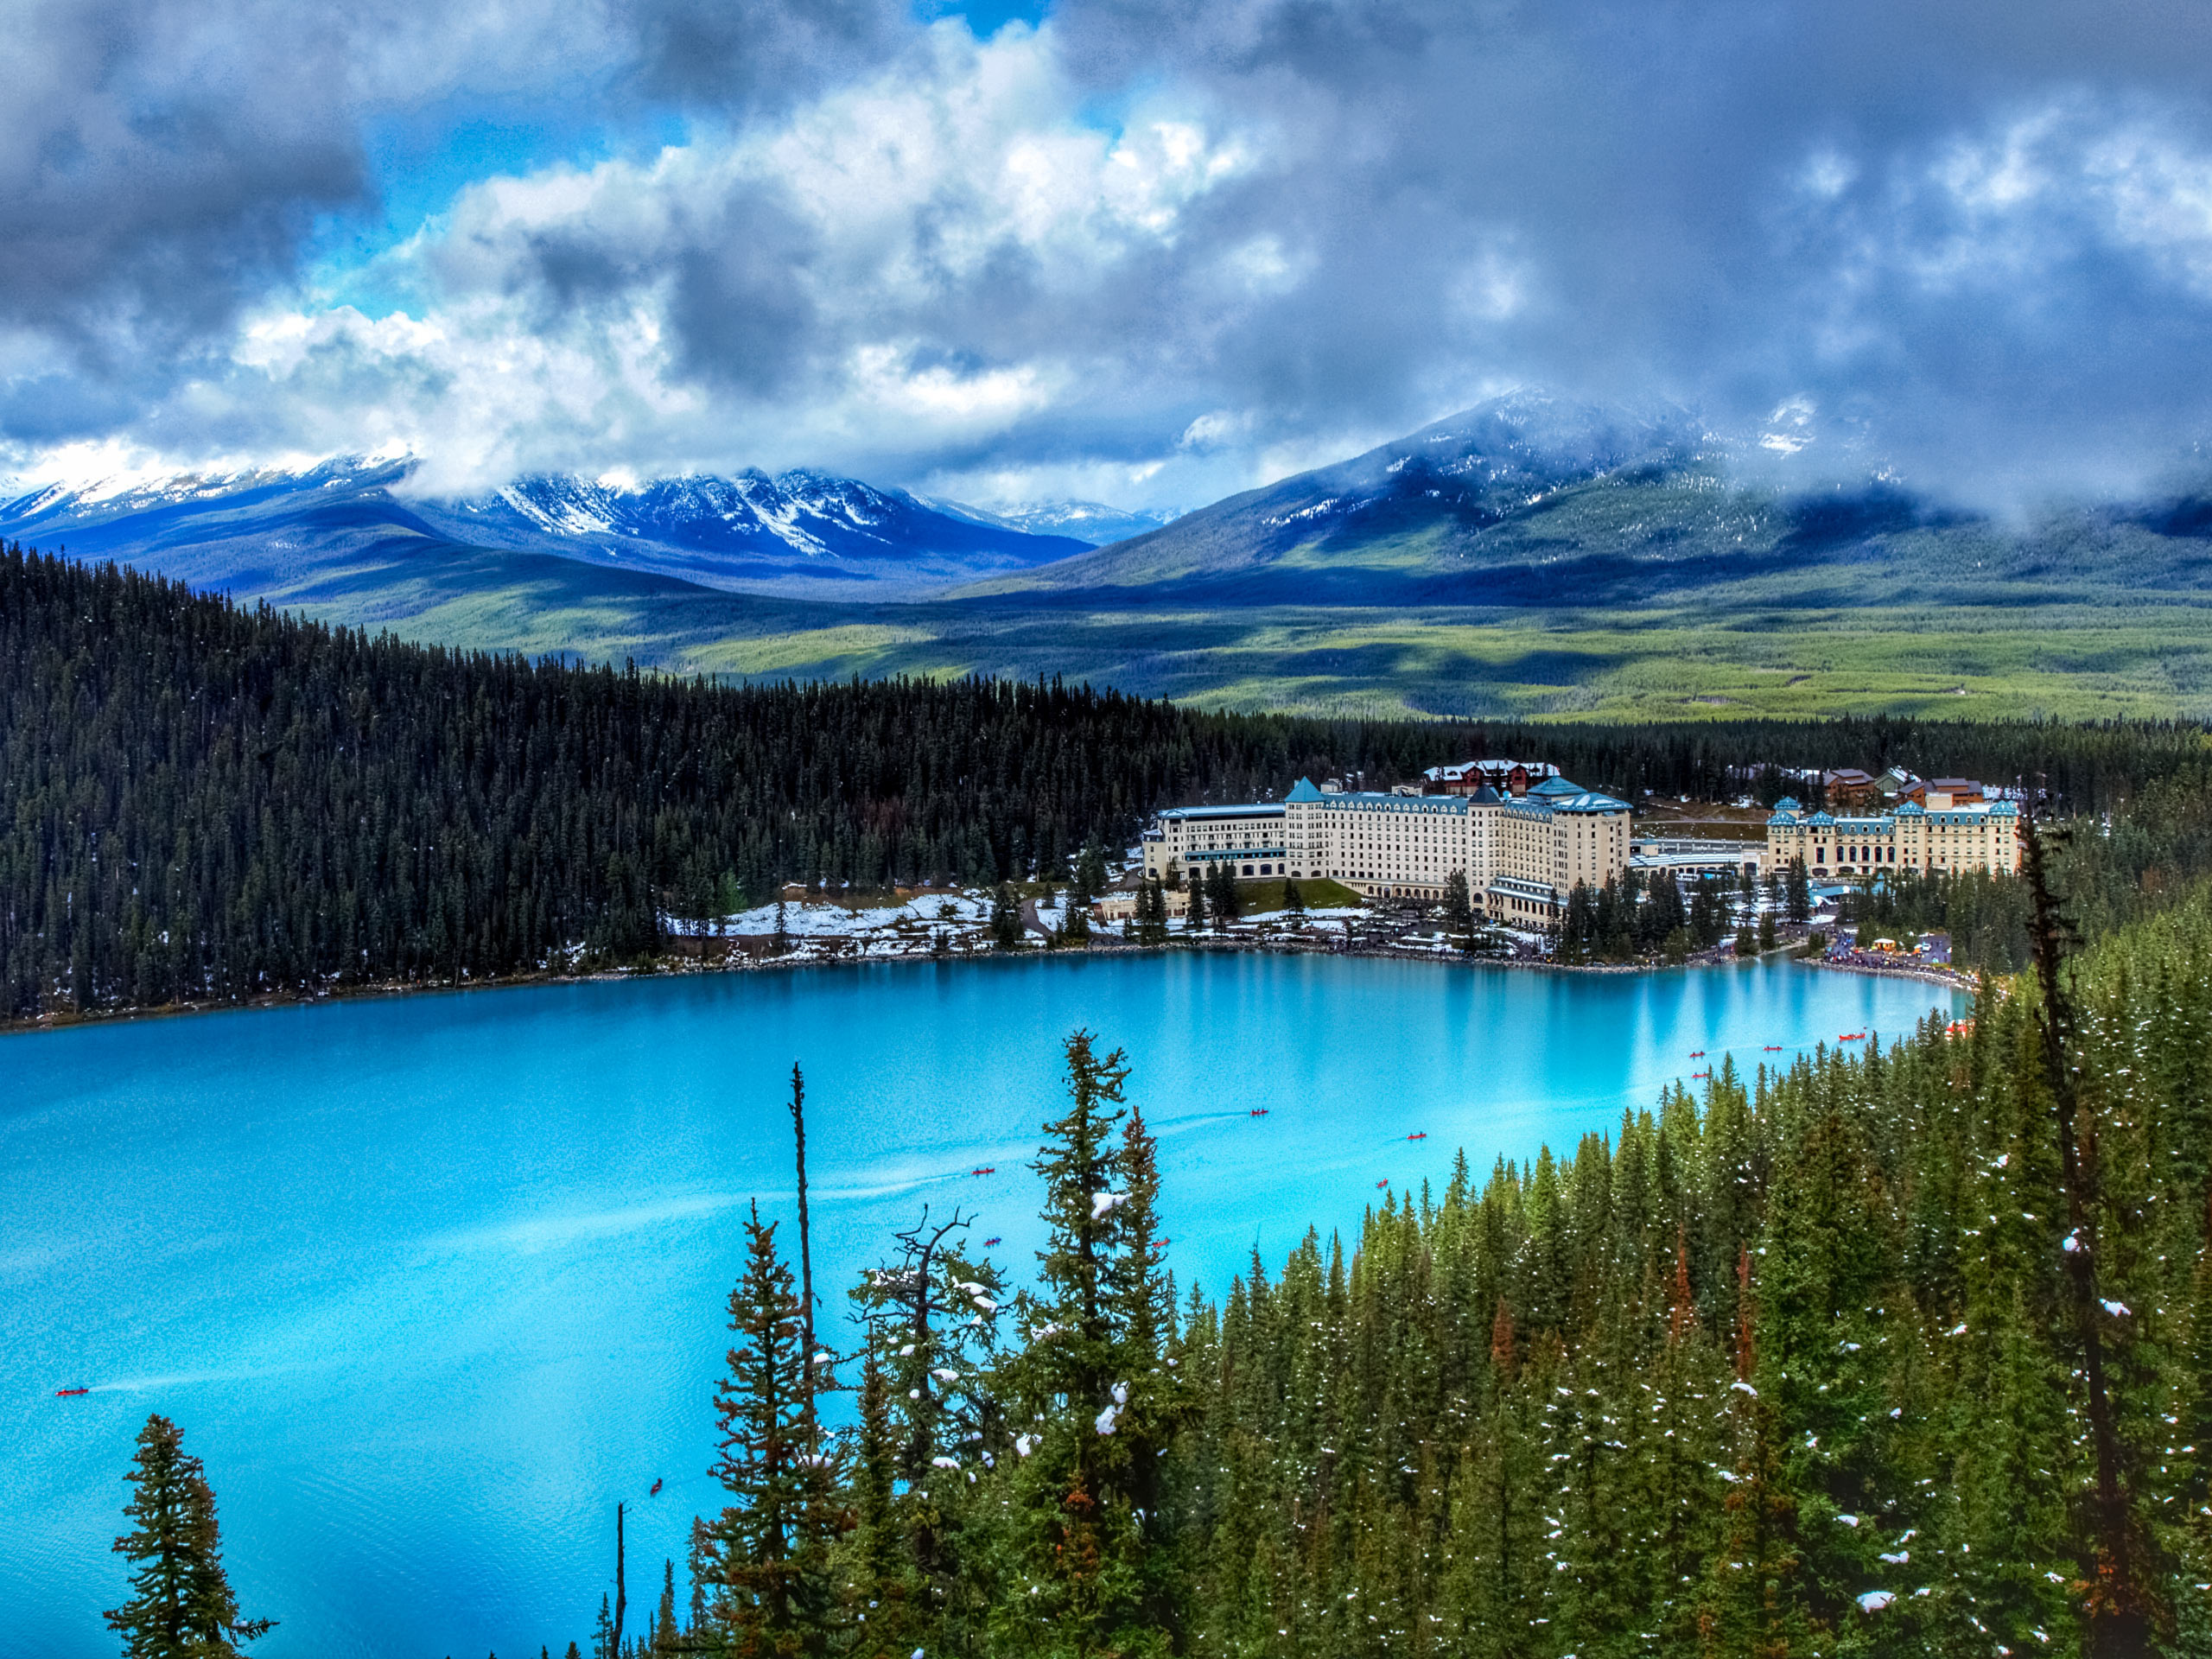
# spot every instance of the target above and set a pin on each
(1903, 1353)
(207, 804)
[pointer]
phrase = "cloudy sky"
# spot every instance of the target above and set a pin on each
(1140, 250)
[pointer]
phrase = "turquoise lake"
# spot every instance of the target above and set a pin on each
(432, 1282)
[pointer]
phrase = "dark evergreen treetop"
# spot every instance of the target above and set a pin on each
(181, 1605)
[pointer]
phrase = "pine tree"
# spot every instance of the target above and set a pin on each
(1798, 892)
(1228, 903)
(667, 1638)
(1460, 910)
(1293, 901)
(884, 1581)
(764, 1558)
(1581, 929)
(931, 1318)
(1092, 1351)
(181, 1606)
(1139, 1307)
(1150, 922)
(1006, 917)
(1090, 877)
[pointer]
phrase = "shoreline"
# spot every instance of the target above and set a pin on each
(737, 961)
(1950, 977)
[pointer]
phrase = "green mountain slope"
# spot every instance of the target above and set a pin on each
(1528, 503)
(1527, 558)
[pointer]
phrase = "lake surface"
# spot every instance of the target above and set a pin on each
(430, 1283)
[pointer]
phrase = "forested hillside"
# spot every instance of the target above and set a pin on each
(1903, 1354)
(207, 802)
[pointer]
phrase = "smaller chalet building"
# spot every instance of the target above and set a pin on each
(1847, 786)
(1513, 778)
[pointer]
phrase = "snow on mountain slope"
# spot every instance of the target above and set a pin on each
(1410, 508)
(812, 514)
(797, 531)
(1088, 521)
(89, 504)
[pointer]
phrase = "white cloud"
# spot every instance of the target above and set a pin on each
(1149, 252)
(1828, 174)
(937, 234)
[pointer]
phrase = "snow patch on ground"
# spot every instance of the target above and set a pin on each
(823, 919)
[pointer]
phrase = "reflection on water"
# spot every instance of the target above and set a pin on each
(432, 1283)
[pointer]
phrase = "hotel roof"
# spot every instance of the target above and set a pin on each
(1786, 812)
(1260, 809)
(1559, 795)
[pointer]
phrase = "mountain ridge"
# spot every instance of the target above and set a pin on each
(1529, 556)
(1530, 501)
(1093, 522)
(798, 533)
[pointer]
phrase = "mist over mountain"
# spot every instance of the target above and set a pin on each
(1531, 500)
(1536, 548)
(1086, 521)
(1532, 542)
(1527, 500)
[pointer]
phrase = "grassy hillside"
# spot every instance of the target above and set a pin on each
(1527, 558)
(2070, 661)
(2142, 655)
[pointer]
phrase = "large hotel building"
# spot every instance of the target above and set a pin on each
(1524, 853)
(1949, 832)
(1521, 856)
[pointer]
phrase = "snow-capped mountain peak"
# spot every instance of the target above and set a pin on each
(1087, 521)
(752, 531)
